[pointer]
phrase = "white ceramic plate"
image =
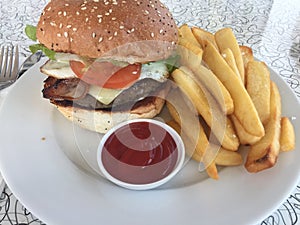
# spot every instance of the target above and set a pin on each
(38, 150)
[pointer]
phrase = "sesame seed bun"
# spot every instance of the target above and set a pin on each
(127, 30)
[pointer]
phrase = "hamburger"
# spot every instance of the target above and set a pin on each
(111, 60)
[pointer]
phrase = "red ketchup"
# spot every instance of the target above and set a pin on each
(139, 153)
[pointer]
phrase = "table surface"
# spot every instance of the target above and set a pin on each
(270, 28)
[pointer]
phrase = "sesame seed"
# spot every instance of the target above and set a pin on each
(106, 3)
(65, 13)
(49, 8)
(99, 16)
(146, 12)
(60, 25)
(52, 23)
(110, 38)
(93, 34)
(96, 0)
(67, 4)
(161, 31)
(113, 18)
(100, 39)
(69, 26)
(110, 10)
(134, 72)
(66, 34)
(74, 29)
(106, 14)
(71, 39)
(59, 13)
(95, 7)
(83, 8)
(100, 20)
(77, 13)
(86, 19)
(116, 33)
(121, 27)
(58, 35)
(132, 30)
(152, 34)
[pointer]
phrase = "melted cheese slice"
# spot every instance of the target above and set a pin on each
(104, 95)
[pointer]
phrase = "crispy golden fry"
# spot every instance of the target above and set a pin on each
(189, 54)
(247, 55)
(185, 33)
(199, 151)
(225, 39)
(188, 85)
(244, 137)
(244, 108)
(258, 87)
(229, 58)
(264, 153)
(191, 57)
(287, 135)
(208, 79)
(228, 158)
(220, 125)
(203, 37)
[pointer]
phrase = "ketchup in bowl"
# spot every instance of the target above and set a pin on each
(140, 154)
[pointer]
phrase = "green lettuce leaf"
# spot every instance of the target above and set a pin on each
(49, 53)
(30, 31)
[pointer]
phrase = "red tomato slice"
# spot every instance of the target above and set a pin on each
(106, 74)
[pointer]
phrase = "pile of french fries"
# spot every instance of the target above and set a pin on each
(234, 99)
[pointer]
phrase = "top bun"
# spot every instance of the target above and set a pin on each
(127, 30)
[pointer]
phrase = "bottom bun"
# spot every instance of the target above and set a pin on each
(101, 121)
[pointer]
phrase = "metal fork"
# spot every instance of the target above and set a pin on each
(9, 65)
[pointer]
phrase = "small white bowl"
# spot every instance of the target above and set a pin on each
(176, 164)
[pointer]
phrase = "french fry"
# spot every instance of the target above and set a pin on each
(244, 109)
(188, 85)
(199, 151)
(244, 137)
(229, 58)
(220, 125)
(190, 55)
(247, 55)
(264, 153)
(287, 135)
(228, 158)
(258, 87)
(185, 33)
(203, 37)
(225, 39)
(196, 152)
(208, 79)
